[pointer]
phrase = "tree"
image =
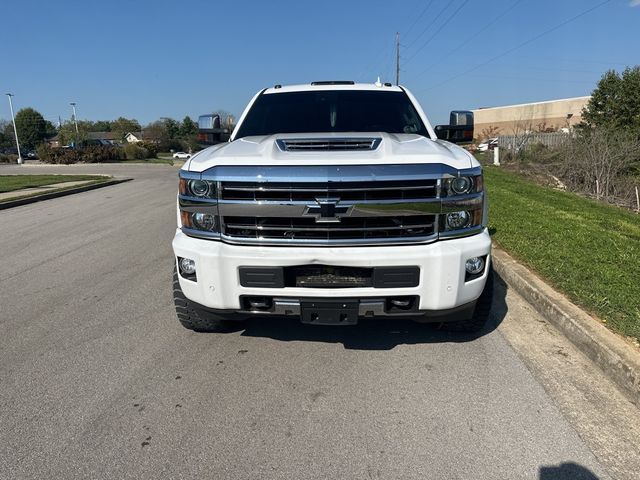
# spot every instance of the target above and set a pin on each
(121, 126)
(32, 129)
(188, 128)
(6, 135)
(102, 126)
(615, 103)
(164, 134)
(172, 127)
(67, 133)
(226, 119)
(50, 129)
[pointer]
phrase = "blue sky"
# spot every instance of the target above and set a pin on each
(148, 59)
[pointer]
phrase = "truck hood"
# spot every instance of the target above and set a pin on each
(393, 149)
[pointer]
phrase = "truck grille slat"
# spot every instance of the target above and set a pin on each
(357, 228)
(347, 191)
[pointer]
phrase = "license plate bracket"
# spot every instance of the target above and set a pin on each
(329, 312)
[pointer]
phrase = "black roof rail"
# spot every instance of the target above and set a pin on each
(334, 82)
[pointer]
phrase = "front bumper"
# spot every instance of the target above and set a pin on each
(441, 285)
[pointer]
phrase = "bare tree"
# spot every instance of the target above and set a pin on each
(227, 120)
(489, 132)
(599, 162)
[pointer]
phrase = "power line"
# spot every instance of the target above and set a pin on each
(424, 10)
(475, 35)
(429, 25)
(527, 42)
(381, 55)
(522, 78)
(460, 7)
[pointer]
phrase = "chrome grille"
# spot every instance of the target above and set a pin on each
(346, 191)
(328, 144)
(349, 228)
(349, 212)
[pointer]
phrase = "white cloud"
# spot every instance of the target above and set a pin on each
(634, 3)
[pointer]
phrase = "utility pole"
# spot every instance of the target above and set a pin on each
(397, 58)
(15, 130)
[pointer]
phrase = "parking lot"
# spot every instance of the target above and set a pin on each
(100, 381)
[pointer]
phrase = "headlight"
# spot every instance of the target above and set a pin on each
(455, 223)
(204, 222)
(462, 185)
(457, 220)
(198, 188)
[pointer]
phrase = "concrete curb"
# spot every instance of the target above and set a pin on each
(47, 196)
(619, 361)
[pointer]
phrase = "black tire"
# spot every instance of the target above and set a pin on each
(481, 311)
(196, 319)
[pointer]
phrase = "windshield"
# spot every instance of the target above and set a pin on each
(332, 111)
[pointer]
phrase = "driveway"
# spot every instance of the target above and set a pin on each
(98, 379)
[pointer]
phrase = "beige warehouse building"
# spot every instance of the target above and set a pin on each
(551, 115)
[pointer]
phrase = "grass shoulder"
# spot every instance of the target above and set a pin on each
(10, 183)
(588, 250)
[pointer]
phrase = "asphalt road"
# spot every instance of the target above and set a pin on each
(98, 379)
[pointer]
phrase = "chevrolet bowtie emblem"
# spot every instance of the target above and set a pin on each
(327, 210)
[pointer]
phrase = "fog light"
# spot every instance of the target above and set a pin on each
(456, 220)
(187, 266)
(474, 265)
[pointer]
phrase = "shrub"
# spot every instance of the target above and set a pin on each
(151, 148)
(44, 152)
(8, 158)
(100, 153)
(598, 161)
(135, 152)
(89, 154)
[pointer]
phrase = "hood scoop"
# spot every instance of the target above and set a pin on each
(347, 144)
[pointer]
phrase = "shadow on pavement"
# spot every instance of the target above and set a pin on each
(375, 334)
(567, 471)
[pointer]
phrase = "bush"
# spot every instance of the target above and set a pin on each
(135, 152)
(151, 148)
(8, 158)
(100, 153)
(172, 144)
(90, 154)
(599, 162)
(44, 152)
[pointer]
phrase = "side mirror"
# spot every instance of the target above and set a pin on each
(460, 129)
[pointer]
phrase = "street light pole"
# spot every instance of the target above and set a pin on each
(15, 130)
(75, 121)
(75, 118)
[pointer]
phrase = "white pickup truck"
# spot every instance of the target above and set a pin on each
(332, 202)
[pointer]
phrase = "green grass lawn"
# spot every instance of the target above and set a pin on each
(587, 250)
(9, 183)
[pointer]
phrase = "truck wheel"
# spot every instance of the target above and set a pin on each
(196, 319)
(481, 311)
